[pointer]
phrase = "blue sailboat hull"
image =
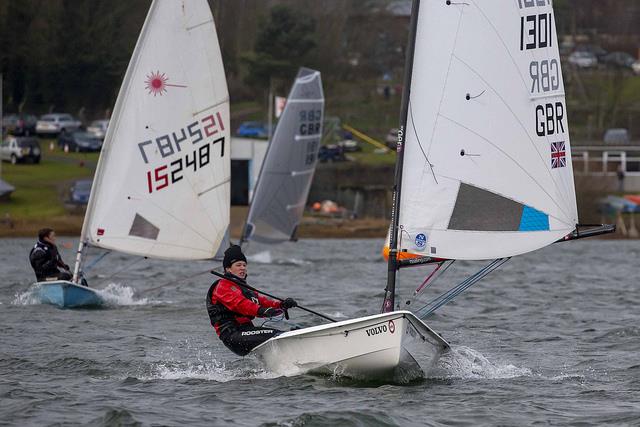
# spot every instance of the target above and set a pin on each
(66, 294)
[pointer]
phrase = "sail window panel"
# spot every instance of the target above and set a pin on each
(482, 210)
(143, 228)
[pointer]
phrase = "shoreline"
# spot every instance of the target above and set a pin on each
(310, 227)
(313, 227)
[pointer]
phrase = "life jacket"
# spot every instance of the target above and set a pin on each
(222, 317)
(41, 256)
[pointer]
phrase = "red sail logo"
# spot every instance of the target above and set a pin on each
(157, 83)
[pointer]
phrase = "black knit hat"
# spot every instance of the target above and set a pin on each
(231, 255)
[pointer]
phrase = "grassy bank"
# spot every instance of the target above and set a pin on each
(41, 190)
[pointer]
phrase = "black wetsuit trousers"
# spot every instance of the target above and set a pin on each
(241, 339)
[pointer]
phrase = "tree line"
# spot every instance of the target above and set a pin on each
(66, 55)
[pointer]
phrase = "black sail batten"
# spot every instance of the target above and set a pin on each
(389, 297)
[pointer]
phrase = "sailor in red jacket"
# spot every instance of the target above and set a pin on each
(232, 307)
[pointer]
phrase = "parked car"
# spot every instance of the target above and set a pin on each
(252, 130)
(392, 139)
(619, 59)
(98, 128)
(80, 191)
(79, 141)
(636, 67)
(19, 124)
(596, 50)
(20, 149)
(331, 153)
(54, 124)
(617, 136)
(350, 145)
(583, 59)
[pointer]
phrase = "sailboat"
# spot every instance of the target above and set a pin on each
(483, 172)
(283, 186)
(162, 183)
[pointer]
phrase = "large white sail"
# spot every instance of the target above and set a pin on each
(281, 193)
(487, 163)
(162, 183)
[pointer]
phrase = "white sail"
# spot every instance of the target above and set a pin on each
(285, 179)
(487, 163)
(162, 182)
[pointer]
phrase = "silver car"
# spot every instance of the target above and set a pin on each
(98, 128)
(20, 149)
(583, 59)
(54, 124)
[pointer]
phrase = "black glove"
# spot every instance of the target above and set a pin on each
(269, 312)
(288, 303)
(66, 267)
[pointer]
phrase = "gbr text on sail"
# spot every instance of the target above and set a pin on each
(537, 37)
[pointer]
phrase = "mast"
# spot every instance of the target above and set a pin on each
(1, 119)
(389, 296)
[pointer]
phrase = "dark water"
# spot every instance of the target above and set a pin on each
(552, 338)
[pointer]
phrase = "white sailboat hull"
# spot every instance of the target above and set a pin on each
(389, 345)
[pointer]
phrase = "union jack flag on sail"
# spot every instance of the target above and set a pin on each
(558, 155)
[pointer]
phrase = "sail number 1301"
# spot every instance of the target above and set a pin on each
(162, 176)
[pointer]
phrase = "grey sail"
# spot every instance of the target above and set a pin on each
(283, 186)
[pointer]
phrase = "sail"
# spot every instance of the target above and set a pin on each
(162, 183)
(282, 189)
(487, 162)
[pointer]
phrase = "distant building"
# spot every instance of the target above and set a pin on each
(247, 156)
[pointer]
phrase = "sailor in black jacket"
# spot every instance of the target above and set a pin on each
(46, 260)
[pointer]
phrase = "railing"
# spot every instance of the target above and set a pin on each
(606, 160)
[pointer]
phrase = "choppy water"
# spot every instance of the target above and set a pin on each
(552, 338)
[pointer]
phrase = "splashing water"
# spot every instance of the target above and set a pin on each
(467, 363)
(265, 257)
(209, 371)
(117, 294)
(200, 363)
(28, 297)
